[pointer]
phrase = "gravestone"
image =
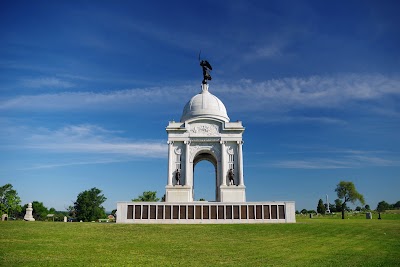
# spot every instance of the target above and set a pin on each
(368, 215)
(4, 217)
(65, 218)
(28, 215)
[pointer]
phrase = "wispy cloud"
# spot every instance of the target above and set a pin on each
(92, 100)
(89, 139)
(46, 82)
(276, 96)
(339, 159)
(312, 92)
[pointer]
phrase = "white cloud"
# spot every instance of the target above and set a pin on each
(313, 92)
(367, 93)
(92, 100)
(339, 159)
(90, 139)
(47, 82)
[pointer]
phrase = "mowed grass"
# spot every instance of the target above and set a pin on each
(310, 242)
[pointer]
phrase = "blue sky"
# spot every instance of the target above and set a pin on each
(87, 89)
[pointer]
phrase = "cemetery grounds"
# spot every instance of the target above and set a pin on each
(318, 241)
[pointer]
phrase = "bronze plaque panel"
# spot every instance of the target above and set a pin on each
(258, 212)
(213, 212)
(198, 212)
(274, 212)
(175, 212)
(281, 212)
(243, 212)
(138, 211)
(160, 212)
(251, 212)
(182, 212)
(190, 212)
(152, 212)
(129, 215)
(266, 212)
(235, 212)
(220, 212)
(206, 212)
(168, 212)
(145, 212)
(228, 212)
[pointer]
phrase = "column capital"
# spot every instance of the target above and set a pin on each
(241, 142)
(222, 142)
(187, 142)
(170, 142)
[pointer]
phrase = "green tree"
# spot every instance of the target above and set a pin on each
(382, 206)
(9, 200)
(147, 196)
(39, 210)
(338, 205)
(321, 208)
(347, 191)
(367, 207)
(397, 205)
(332, 208)
(87, 206)
(303, 211)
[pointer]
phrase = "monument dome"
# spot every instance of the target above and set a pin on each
(204, 105)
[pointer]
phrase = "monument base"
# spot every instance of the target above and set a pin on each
(232, 193)
(178, 193)
(206, 212)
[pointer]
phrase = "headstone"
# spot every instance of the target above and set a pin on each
(368, 215)
(28, 215)
(4, 217)
(311, 215)
(65, 218)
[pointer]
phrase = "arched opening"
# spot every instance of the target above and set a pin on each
(205, 177)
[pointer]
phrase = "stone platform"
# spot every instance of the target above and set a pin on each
(206, 212)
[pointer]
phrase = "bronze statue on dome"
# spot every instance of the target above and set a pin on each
(206, 70)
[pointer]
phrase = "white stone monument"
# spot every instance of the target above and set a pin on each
(28, 215)
(205, 133)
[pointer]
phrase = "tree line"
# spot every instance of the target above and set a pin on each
(10, 204)
(87, 206)
(347, 193)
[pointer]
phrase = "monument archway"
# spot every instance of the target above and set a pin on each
(205, 133)
(201, 180)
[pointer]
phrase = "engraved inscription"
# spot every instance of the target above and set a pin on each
(204, 129)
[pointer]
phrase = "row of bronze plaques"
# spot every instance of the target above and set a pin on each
(205, 212)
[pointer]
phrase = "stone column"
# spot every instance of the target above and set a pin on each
(240, 158)
(170, 158)
(187, 163)
(223, 169)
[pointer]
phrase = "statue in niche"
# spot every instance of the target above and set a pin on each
(178, 177)
(206, 71)
(231, 177)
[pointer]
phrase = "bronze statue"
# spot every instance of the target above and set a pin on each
(177, 177)
(231, 177)
(206, 71)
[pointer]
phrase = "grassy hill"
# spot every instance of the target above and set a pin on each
(320, 241)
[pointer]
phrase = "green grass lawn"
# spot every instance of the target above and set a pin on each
(322, 241)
